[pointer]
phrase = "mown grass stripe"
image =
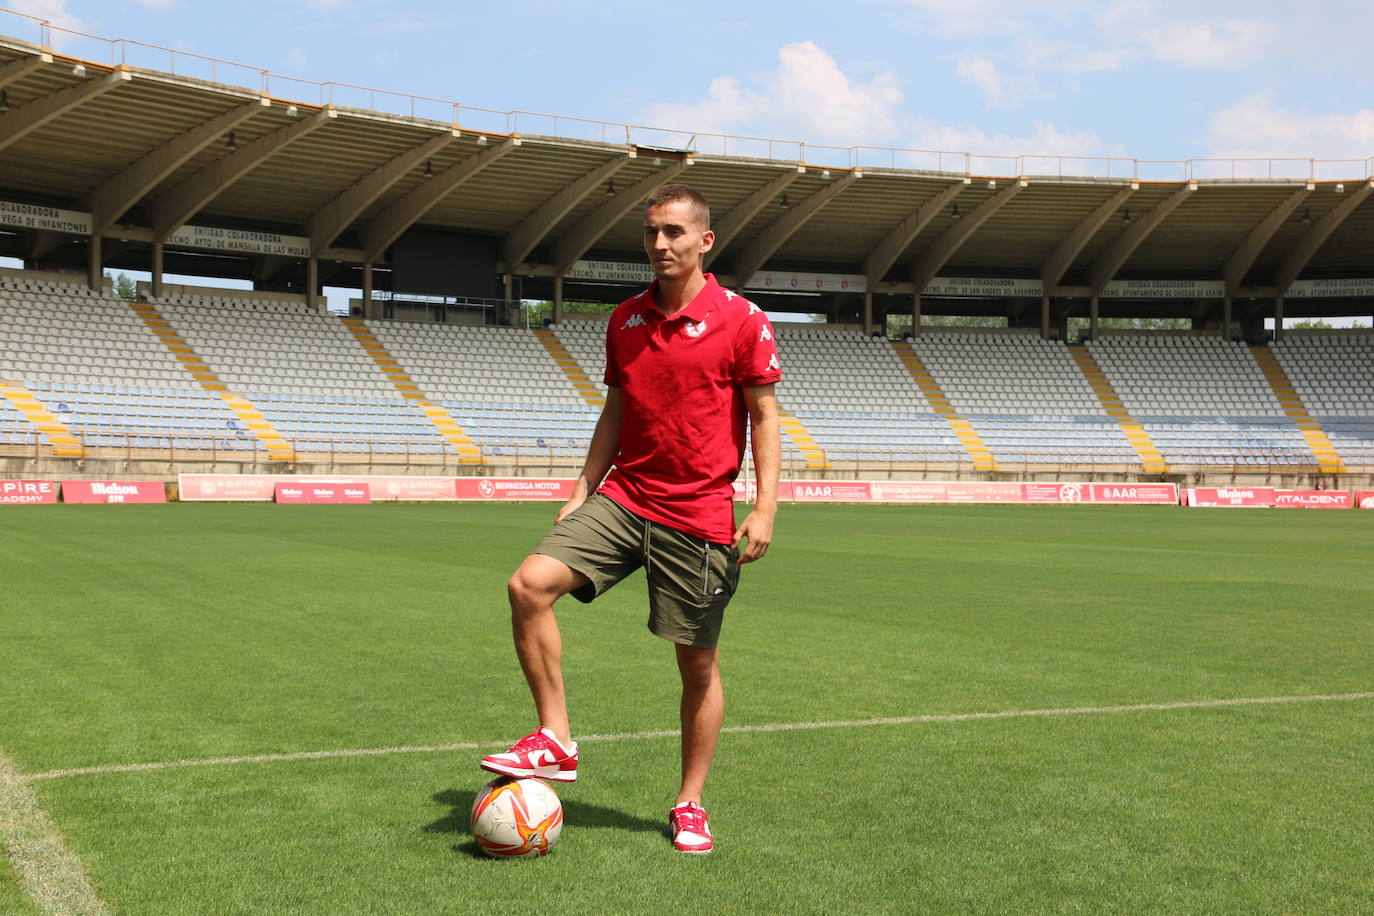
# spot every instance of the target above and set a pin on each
(52, 876)
(729, 730)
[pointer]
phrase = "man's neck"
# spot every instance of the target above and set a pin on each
(675, 295)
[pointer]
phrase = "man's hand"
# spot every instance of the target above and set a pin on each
(757, 529)
(579, 496)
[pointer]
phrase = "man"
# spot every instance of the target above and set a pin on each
(687, 362)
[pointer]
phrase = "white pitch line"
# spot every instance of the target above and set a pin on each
(673, 733)
(52, 876)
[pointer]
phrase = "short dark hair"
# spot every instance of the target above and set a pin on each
(672, 193)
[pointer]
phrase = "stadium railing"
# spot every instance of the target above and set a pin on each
(557, 456)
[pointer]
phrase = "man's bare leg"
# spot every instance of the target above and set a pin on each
(534, 587)
(703, 711)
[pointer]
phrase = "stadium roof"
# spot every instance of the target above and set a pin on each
(146, 152)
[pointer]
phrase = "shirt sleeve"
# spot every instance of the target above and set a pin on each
(756, 352)
(611, 377)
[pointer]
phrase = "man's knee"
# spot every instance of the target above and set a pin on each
(539, 582)
(698, 668)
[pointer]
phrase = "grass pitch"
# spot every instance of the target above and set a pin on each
(146, 634)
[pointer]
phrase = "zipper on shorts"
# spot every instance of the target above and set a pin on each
(706, 571)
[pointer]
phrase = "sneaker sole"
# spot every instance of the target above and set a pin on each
(692, 852)
(551, 773)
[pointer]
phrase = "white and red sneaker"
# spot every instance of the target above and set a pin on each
(690, 830)
(538, 755)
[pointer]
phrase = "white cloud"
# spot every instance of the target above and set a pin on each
(1256, 126)
(1204, 44)
(985, 77)
(807, 97)
(157, 4)
(296, 60)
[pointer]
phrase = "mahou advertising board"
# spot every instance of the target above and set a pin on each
(28, 492)
(1267, 498)
(114, 491)
(262, 488)
(314, 494)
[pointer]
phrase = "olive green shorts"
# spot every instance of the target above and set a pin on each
(690, 580)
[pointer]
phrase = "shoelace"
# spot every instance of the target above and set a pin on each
(532, 743)
(693, 819)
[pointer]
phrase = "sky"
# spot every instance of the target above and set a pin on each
(1148, 79)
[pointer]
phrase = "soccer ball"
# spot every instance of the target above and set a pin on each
(516, 818)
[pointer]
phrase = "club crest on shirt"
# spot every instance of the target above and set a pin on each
(695, 329)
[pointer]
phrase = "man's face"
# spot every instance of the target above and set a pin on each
(675, 239)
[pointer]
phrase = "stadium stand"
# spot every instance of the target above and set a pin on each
(500, 384)
(1333, 375)
(1025, 396)
(84, 363)
(304, 372)
(857, 401)
(1202, 400)
(95, 367)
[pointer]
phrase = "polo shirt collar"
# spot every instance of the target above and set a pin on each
(698, 308)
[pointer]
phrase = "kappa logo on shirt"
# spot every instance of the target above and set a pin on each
(773, 363)
(765, 334)
(695, 330)
(633, 321)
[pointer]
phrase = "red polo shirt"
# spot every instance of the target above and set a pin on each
(683, 425)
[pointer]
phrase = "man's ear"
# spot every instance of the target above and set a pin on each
(708, 238)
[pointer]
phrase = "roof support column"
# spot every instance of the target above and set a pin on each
(1226, 317)
(1278, 318)
(157, 270)
(93, 263)
(312, 280)
(557, 299)
(868, 314)
(1093, 313)
(916, 314)
(367, 289)
(1045, 314)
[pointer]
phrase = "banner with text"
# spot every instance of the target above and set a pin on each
(262, 488)
(1364, 499)
(315, 494)
(50, 219)
(861, 491)
(114, 491)
(1164, 289)
(1267, 497)
(511, 489)
(1347, 288)
(28, 492)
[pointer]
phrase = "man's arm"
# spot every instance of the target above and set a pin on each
(600, 454)
(757, 527)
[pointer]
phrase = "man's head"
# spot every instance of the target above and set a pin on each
(677, 231)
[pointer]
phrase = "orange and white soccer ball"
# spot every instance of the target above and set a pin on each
(516, 818)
